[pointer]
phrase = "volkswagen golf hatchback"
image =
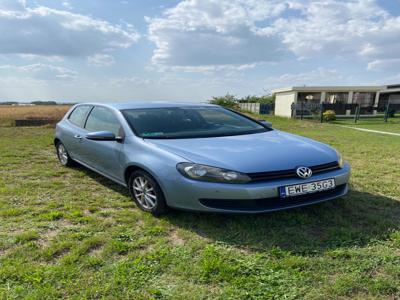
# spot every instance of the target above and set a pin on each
(199, 157)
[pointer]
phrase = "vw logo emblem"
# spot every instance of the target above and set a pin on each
(303, 172)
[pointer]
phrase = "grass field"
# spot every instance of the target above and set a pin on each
(71, 233)
(8, 113)
(392, 125)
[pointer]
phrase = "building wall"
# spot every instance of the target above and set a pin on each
(283, 103)
(366, 96)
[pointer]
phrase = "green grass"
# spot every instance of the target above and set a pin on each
(377, 123)
(70, 233)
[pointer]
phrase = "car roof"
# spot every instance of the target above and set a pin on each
(150, 104)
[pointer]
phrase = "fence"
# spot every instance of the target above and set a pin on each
(258, 108)
(316, 110)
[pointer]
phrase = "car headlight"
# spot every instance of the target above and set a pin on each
(211, 174)
(339, 159)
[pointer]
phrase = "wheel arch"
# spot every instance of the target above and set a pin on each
(56, 141)
(135, 167)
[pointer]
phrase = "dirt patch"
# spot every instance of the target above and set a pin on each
(87, 212)
(174, 239)
(96, 251)
(47, 237)
(50, 235)
(4, 252)
(65, 224)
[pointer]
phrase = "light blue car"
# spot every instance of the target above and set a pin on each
(199, 157)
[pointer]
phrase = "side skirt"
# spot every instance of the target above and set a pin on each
(101, 173)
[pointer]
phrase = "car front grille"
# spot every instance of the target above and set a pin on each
(265, 176)
(274, 203)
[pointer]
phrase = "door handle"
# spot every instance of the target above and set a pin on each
(77, 136)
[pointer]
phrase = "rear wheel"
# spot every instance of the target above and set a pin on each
(63, 156)
(146, 193)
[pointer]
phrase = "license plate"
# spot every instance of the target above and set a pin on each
(306, 188)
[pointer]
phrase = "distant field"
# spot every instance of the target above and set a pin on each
(9, 113)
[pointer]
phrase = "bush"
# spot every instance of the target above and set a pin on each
(231, 101)
(266, 99)
(329, 115)
(228, 100)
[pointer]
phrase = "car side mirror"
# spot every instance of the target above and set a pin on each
(266, 123)
(103, 136)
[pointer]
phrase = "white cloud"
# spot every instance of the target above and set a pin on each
(319, 76)
(330, 26)
(14, 82)
(40, 71)
(49, 32)
(129, 81)
(211, 32)
(200, 34)
(23, 2)
(34, 57)
(205, 69)
(101, 60)
(67, 4)
(384, 64)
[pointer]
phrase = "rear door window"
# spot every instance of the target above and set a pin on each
(103, 119)
(78, 115)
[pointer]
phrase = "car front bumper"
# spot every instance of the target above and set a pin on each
(258, 197)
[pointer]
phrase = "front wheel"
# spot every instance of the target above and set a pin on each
(146, 193)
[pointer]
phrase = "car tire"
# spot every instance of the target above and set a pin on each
(146, 193)
(63, 156)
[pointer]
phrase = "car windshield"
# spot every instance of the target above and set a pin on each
(189, 122)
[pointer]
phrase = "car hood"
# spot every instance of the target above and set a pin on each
(268, 151)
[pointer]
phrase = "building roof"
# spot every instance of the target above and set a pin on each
(392, 88)
(372, 88)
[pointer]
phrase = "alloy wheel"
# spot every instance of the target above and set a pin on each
(144, 192)
(62, 154)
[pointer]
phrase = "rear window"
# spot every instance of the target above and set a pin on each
(78, 115)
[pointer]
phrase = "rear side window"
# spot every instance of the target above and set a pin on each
(79, 114)
(102, 119)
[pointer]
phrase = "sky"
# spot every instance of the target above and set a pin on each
(191, 50)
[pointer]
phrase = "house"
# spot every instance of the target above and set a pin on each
(368, 97)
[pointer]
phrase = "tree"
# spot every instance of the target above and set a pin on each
(265, 99)
(228, 100)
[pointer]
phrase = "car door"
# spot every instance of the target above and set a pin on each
(74, 131)
(104, 156)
